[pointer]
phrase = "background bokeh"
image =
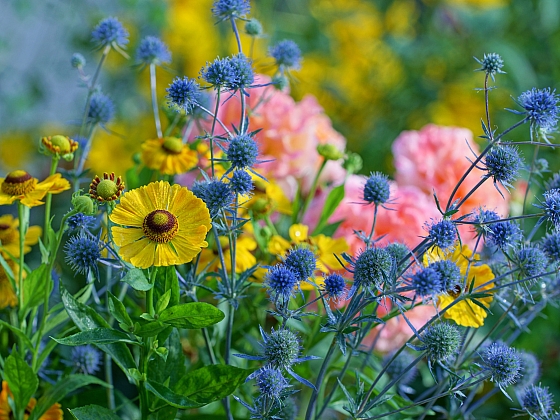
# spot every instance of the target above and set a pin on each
(377, 67)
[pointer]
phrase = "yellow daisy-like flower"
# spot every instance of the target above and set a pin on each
(162, 225)
(7, 294)
(19, 185)
(53, 413)
(269, 197)
(168, 155)
(9, 236)
(465, 313)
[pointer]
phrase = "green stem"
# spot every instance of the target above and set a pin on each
(23, 221)
(318, 383)
(313, 189)
(154, 99)
(147, 351)
(212, 132)
(47, 225)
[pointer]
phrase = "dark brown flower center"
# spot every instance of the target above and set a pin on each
(160, 226)
(18, 183)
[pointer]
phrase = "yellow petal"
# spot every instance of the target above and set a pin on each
(140, 253)
(131, 210)
(123, 236)
(298, 233)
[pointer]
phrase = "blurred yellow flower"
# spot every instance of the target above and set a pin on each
(53, 413)
(7, 294)
(9, 236)
(19, 185)
(168, 155)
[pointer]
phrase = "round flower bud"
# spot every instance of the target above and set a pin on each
(426, 282)
(551, 246)
(82, 253)
(503, 362)
(84, 204)
(329, 152)
(503, 164)
(443, 234)
(503, 234)
(281, 280)
(271, 382)
(334, 287)
(302, 262)
(281, 349)
(373, 267)
(353, 163)
(449, 272)
(551, 207)
(242, 151)
(441, 341)
(253, 27)
(78, 61)
(491, 64)
(530, 261)
(377, 189)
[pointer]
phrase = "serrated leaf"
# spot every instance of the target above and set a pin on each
(137, 280)
(93, 412)
(191, 315)
(96, 336)
(20, 377)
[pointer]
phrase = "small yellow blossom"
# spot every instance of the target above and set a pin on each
(7, 294)
(9, 236)
(19, 185)
(168, 155)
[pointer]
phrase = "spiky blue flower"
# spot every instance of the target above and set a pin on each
(537, 401)
(503, 363)
(244, 75)
(502, 164)
(216, 194)
(441, 341)
(531, 368)
(80, 221)
(220, 73)
(503, 234)
(286, 53)
(153, 50)
(551, 246)
(449, 272)
(541, 107)
(230, 9)
(551, 207)
(82, 253)
(86, 359)
(373, 267)
(491, 64)
(101, 108)
(242, 151)
(398, 250)
(553, 183)
(110, 32)
(184, 94)
(302, 261)
(426, 282)
(281, 281)
(376, 189)
(443, 234)
(530, 261)
(334, 287)
(78, 61)
(271, 382)
(241, 182)
(482, 219)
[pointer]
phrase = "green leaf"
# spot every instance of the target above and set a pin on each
(166, 280)
(62, 388)
(192, 315)
(22, 381)
(211, 383)
(87, 318)
(171, 370)
(36, 285)
(170, 397)
(18, 333)
(331, 203)
(149, 329)
(93, 412)
(163, 302)
(165, 413)
(136, 278)
(118, 311)
(96, 336)
(55, 320)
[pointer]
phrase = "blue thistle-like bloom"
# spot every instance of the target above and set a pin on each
(87, 359)
(443, 234)
(302, 261)
(80, 221)
(253, 27)
(78, 60)
(503, 362)
(503, 234)
(281, 281)
(226, 9)
(153, 50)
(551, 207)
(216, 194)
(220, 73)
(82, 253)
(553, 183)
(373, 267)
(184, 94)
(376, 189)
(530, 261)
(110, 32)
(241, 182)
(441, 341)
(537, 401)
(551, 246)
(426, 282)
(286, 53)
(502, 163)
(449, 272)
(398, 250)
(271, 382)
(242, 151)
(531, 369)
(244, 75)
(334, 287)
(491, 64)
(101, 108)
(400, 367)
(541, 107)
(481, 219)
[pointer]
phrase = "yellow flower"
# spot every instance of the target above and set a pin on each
(269, 197)
(19, 185)
(53, 413)
(7, 295)
(62, 146)
(162, 225)
(168, 155)
(9, 236)
(465, 313)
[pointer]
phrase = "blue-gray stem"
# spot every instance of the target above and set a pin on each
(155, 107)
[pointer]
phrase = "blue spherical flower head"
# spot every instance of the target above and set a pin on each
(242, 151)
(531, 368)
(153, 50)
(503, 363)
(220, 73)
(87, 359)
(287, 54)
(537, 401)
(271, 382)
(78, 61)
(553, 183)
(442, 234)
(441, 341)
(503, 234)
(541, 108)
(184, 94)
(482, 219)
(82, 253)
(80, 221)
(551, 246)
(372, 268)
(334, 287)
(216, 194)
(531, 262)
(230, 9)
(491, 64)
(551, 208)
(281, 281)
(101, 108)
(302, 261)
(400, 252)
(449, 272)
(377, 190)
(502, 164)
(426, 283)
(241, 182)
(243, 73)
(110, 32)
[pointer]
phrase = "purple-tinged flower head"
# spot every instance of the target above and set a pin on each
(220, 73)
(491, 64)
(441, 341)
(553, 183)
(449, 272)
(400, 367)
(101, 108)
(230, 9)
(241, 182)
(82, 253)
(78, 61)
(80, 221)
(442, 234)
(376, 189)
(551, 246)
(373, 267)
(287, 54)
(281, 281)
(541, 108)
(243, 73)
(153, 50)
(426, 283)
(184, 94)
(334, 287)
(482, 219)
(503, 362)
(242, 151)
(551, 208)
(531, 368)
(530, 261)
(271, 382)
(537, 401)
(301, 261)
(502, 164)
(253, 28)
(216, 194)
(504, 234)
(110, 32)
(86, 359)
